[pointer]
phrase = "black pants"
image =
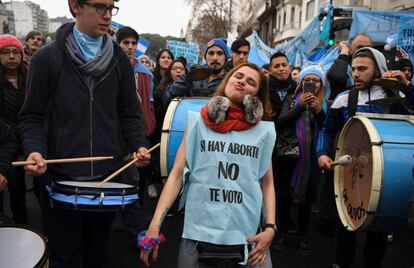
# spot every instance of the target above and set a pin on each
(374, 247)
(283, 169)
(75, 238)
(17, 190)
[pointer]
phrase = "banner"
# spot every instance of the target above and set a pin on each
(377, 24)
(406, 35)
(183, 49)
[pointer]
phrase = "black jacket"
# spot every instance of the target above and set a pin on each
(8, 149)
(276, 85)
(63, 118)
(337, 75)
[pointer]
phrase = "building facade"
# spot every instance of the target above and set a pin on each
(28, 16)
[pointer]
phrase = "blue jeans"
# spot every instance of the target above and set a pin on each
(188, 256)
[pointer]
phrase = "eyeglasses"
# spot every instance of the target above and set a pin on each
(6, 52)
(102, 8)
(245, 53)
(312, 80)
(177, 68)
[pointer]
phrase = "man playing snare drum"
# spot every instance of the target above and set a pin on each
(81, 101)
(367, 64)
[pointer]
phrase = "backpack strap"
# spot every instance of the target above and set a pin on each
(352, 101)
(55, 62)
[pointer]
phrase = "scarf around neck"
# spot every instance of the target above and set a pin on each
(235, 120)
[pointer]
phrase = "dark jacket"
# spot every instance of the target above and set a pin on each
(184, 88)
(276, 86)
(65, 118)
(338, 75)
(8, 149)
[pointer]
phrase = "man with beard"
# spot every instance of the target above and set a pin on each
(367, 64)
(340, 75)
(34, 40)
(215, 54)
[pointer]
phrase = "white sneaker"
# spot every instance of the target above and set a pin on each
(152, 191)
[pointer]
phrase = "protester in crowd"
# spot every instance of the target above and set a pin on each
(406, 67)
(215, 54)
(175, 70)
(12, 92)
(340, 74)
(265, 70)
(367, 64)
(163, 60)
(80, 102)
(280, 85)
(240, 49)
(303, 113)
(8, 153)
(145, 60)
(135, 218)
(206, 200)
(295, 73)
(34, 40)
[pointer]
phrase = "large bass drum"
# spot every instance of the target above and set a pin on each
(175, 123)
(374, 191)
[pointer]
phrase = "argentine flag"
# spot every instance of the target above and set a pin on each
(143, 44)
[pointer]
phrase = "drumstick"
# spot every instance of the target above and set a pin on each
(344, 160)
(64, 160)
(127, 165)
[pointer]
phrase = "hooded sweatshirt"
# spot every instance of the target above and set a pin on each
(339, 112)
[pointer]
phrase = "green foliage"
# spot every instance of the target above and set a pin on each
(157, 42)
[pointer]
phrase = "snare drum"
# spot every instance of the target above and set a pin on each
(88, 196)
(21, 247)
(374, 191)
(175, 123)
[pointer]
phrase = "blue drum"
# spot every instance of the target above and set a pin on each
(373, 193)
(90, 196)
(175, 122)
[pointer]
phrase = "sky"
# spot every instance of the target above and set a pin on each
(165, 17)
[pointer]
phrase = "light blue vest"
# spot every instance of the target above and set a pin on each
(222, 194)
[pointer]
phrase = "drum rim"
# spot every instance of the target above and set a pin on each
(66, 189)
(43, 260)
(165, 135)
(166, 128)
(377, 174)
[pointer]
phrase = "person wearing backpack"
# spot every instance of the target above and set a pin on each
(367, 64)
(81, 101)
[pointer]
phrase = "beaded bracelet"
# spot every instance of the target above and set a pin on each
(147, 243)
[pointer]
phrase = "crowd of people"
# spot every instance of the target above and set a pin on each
(86, 94)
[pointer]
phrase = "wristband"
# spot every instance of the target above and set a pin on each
(147, 243)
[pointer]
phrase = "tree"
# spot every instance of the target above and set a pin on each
(210, 19)
(157, 42)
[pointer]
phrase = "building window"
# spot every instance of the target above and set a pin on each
(310, 10)
(300, 20)
(292, 15)
(284, 18)
(356, 2)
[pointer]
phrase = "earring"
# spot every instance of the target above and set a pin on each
(217, 109)
(253, 108)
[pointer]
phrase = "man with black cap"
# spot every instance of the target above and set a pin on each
(240, 49)
(215, 54)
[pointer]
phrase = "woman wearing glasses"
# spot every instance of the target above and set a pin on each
(303, 113)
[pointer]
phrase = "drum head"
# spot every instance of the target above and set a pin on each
(95, 184)
(21, 247)
(357, 186)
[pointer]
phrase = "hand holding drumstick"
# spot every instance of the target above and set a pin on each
(140, 159)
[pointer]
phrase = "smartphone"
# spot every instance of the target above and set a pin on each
(309, 87)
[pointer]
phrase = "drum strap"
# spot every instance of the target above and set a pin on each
(352, 101)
